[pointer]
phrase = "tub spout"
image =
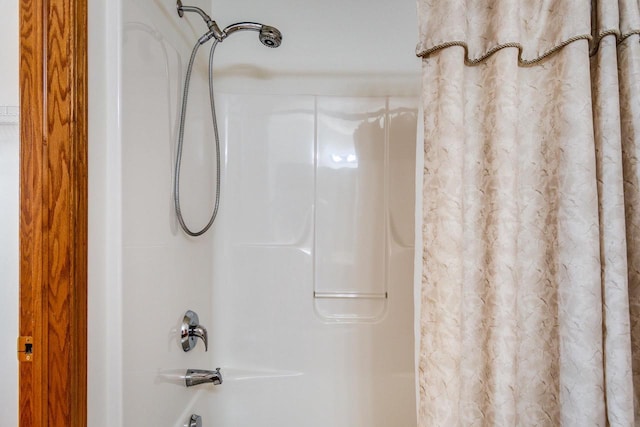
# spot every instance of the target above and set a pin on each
(202, 376)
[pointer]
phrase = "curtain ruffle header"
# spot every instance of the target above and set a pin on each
(536, 27)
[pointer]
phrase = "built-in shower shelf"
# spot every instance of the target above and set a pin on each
(364, 175)
(341, 295)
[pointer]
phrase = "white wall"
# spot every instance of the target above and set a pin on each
(9, 52)
(9, 145)
(329, 47)
(8, 268)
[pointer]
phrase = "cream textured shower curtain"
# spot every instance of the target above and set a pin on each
(530, 298)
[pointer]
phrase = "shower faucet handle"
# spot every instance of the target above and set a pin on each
(195, 421)
(192, 330)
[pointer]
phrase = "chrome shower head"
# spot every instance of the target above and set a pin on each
(270, 36)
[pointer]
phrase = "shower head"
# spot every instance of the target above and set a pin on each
(270, 36)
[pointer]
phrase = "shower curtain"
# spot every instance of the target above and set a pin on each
(530, 293)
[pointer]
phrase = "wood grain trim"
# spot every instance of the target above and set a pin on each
(32, 376)
(53, 211)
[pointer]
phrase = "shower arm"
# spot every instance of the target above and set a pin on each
(213, 27)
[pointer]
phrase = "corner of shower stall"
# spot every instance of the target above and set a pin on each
(305, 282)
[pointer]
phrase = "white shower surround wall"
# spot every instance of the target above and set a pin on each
(313, 187)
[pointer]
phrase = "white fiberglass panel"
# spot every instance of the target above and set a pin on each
(285, 363)
(164, 272)
(269, 173)
(350, 241)
(402, 117)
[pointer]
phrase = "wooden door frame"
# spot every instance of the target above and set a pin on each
(53, 212)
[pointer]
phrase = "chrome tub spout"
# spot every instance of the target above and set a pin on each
(202, 376)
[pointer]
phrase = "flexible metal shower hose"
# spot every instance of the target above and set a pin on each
(183, 116)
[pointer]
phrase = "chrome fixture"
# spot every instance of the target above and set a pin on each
(195, 421)
(202, 376)
(191, 330)
(268, 36)
(213, 27)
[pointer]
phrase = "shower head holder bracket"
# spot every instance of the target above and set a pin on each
(213, 27)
